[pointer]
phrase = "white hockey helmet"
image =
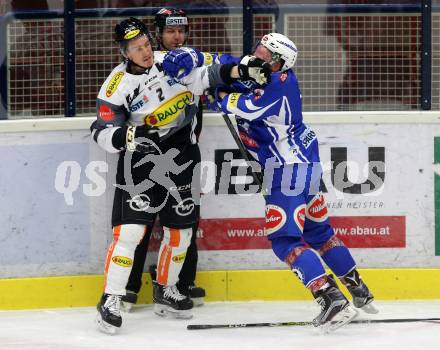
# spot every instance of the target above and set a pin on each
(282, 48)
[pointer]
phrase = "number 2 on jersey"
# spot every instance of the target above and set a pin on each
(160, 94)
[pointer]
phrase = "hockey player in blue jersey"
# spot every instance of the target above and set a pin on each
(271, 127)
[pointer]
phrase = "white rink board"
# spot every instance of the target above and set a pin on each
(408, 190)
(42, 235)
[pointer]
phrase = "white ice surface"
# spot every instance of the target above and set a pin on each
(75, 329)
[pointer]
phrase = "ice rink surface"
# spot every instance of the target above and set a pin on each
(75, 329)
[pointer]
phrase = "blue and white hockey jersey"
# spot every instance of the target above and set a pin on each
(270, 121)
(218, 58)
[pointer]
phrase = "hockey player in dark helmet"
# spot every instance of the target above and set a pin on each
(172, 28)
(149, 122)
(171, 33)
(135, 42)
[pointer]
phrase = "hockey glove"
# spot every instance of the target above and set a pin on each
(137, 139)
(209, 100)
(180, 62)
(212, 99)
(255, 69)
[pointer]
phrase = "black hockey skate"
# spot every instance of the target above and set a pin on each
(335, 308)
(169, 301)
(128, 300)
(109, 316)
(362, 297)
(195, 293)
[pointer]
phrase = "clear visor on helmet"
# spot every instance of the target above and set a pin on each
(266, 55)
(140, 44)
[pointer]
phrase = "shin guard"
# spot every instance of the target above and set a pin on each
(172, 254)
(337, 256)
(120, 255)
(305, 264)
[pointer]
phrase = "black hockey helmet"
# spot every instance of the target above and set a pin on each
(169, 16)
(129, 29)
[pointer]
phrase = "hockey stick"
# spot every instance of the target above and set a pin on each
(305, 323)
(255, 174)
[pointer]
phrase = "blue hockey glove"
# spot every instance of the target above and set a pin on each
(180, 62)
(212, 100)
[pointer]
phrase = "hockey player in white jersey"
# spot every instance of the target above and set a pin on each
(172, 30)
(271, 126)
(146, 117)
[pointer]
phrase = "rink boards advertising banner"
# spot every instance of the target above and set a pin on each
(437, 194)
(249, 233)
(367, 208)
(386, 207)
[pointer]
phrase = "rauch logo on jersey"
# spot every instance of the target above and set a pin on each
(122, 261)
(233, 100)
(275, 218)
(208, 59)
(179, 258)
(113, 84)
(170, 110)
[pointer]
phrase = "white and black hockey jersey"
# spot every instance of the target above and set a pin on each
(152, 98)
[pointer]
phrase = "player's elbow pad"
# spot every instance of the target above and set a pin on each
(119, 138)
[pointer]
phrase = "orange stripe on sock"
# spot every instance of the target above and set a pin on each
(163, 267)
(174, 237)
(116, 233)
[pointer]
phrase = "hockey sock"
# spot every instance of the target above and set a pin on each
(120, 255)
(305, 264)
(337, 256)
(140, 255)
(172, 254)
(187, 274)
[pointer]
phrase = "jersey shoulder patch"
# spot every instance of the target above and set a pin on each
(113, 83)
(208, 59)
